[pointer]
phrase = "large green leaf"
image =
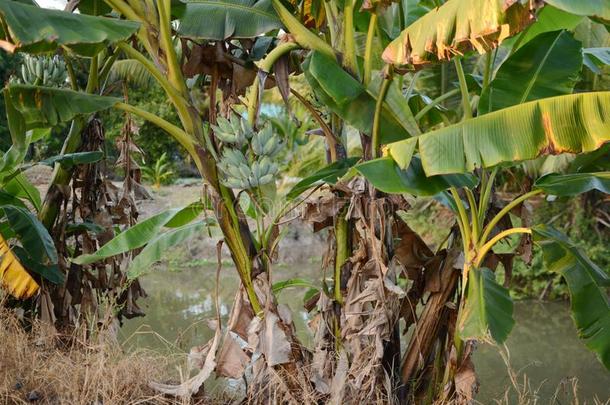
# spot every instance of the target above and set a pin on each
(573, 123)
(350, 100)
(187, 214)
(31, 233)
(488, 309)
(40, 107)
(157, 247)
(10, 199)
(20, 139)
(20, 186)
(138, 235)
(589, 302)
(71, 159)
(596, 58)
(386, 176)
(547, 66)
(566, 185)
(39, 30)
(327, 175)
(456, 27)
(49, 272)
(222, 19)
(548, 19)
(598, 9)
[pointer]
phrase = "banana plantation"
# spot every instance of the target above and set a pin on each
(370, 194)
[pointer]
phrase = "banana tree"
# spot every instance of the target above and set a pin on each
(357, 336)
(424, 164)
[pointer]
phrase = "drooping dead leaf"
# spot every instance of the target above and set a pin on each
(457, 27)
(232, 360)
(466, 384)
(410, 249)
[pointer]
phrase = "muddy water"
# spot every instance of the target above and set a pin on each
(543, 345)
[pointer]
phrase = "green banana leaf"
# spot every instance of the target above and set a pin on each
(596, 9)
(41, 107)
(94, 7)
(49, 272)
(33, 29)
(222, 19)
(548, 19)
(586, 282)
(72, 159)
(547, 66)
(566, 185)
(327, 175)
(19, 186)
(387, 176)
(157, 247)
(7, 198)
(136, 236)
(573, 123)
(20, 139)
(457, 27)
(33, 236)
(488, 309)
(187, 214)
(351, 101)
(596, 58)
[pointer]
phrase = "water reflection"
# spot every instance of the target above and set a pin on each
(543, 344)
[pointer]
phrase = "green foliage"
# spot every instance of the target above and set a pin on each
(573, 217)
(586, 283)
(488, 309)
(158, 173)
(46, 29)
(547, 66)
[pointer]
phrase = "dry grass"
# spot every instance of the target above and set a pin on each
(77, 373)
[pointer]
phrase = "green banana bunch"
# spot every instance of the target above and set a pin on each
(246, 160)
(265, 142)
(235, 131)
(239, 173)
(43, 71)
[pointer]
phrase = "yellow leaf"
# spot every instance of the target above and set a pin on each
(13, 276)
(459, 26)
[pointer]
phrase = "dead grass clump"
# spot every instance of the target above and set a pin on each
(35, 366)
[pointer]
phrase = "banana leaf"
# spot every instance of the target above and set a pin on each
(33, 29)
(596, 9)
(388, 177)
(573, 123)
(222, 19)
(351, 101)
(13, 276)
(327, 175)
(41, 107)
(586, 283)
(547, 66)
(488, 309)
(457, 27)
(33, 236)
(567, 185)
(548, 19)
(136, 236)
(157, 247)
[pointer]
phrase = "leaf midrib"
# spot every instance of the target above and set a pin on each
(529, 87)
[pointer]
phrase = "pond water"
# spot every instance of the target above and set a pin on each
(543, 344)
